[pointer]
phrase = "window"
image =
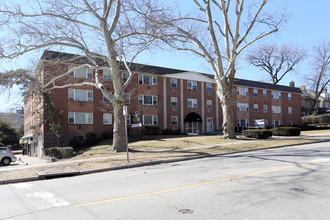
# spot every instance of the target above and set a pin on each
(276, 109)
(208, 104)
(290, 110)
(80, 95)
(255, 92)
(174, 83)
(147, 80)
(147, 100)
(174, 120)
(83, 73)
(174, 101)
(289, 97)
(191, 85)
(107, 118)
(127, 98)
(255, 107)
(208, 87)
(192, 103)
(128, 119)
(243, 122)
(290, 123)
(80, 118)
(107, 75)
(244, 107)
(105, 100)
(125, 77)
(150, 120)
(276, 95)
(265, 108)
(276, 123)
(264, 93)
(242, 91)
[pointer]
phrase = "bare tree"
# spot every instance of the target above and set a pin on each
(107, 30)
(319, 77)
(276, 60)
(219, 33)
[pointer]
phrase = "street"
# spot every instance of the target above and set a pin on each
(284, 183)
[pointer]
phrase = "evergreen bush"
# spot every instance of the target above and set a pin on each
(286, 131)
(59, 152)
(257, 133)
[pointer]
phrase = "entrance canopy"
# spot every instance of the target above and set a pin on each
(193, 116)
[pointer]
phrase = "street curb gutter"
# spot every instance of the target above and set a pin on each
(83, 172)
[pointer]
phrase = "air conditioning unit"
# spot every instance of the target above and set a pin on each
(81, 127)
(173, 90)
(192, 92)
(147, 87)
(209, 93)
(80, 104)
(148, 107)
(81, 80)
(174, 109)
(209, 111)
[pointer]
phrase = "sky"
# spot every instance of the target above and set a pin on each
(308, 25)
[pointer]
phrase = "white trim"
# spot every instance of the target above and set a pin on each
(193, 76)
(203, 110)
(165, 105)
(181, 106)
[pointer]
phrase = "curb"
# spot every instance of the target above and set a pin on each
(43, 176)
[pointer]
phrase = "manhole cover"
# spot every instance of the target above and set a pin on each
(297, 190)
(186, 211)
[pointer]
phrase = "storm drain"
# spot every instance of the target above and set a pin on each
(186, 211)
(297, 190)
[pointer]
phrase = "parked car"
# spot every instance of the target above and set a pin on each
(6, 156)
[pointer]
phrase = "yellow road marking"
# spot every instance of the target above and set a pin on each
(195, 185)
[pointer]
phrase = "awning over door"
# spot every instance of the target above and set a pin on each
(193, 116)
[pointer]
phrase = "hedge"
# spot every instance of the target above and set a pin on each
(257, 133)
(286, 131)
(59, 152)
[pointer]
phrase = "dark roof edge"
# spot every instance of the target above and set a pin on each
(81, 59)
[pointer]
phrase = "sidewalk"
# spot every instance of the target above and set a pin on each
(31, 168)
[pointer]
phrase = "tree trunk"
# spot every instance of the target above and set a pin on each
(228, 124)
(119, 136)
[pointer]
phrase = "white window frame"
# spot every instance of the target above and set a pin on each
(239, 122)
(289, 96)
(88, 95)
(107, 76)
(88, 73)
(128, 119)
(191, 85)
(279, 123)
(151, 82)
(123, 77)
(127, 98)
(264, 93)
(174, 121)
(192, 103)
(242, 91)
(174, 83)
(154, 119)
(255, 107)
(276, 109)
(208, 87)
(141, 99)
(276, 95)
(255, 92)
(265, 108)
(72, 115)
(107, 120)
(243, 107)
(174, 100)
(290, 110)
(209, 104)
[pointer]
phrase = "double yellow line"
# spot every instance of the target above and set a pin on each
(195, 185)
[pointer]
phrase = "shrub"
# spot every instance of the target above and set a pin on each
(1, 144)
(257, 133)
(151, 130)
(91, 138)
(169, 131)
(286, 131)
(106, 135)
(60, 152)
(76, 141)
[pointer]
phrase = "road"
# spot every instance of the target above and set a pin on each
(284, 183)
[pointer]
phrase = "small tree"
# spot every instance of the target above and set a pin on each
(8, 135)
(276, 60)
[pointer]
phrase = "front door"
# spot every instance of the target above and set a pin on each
(209, 125)
(192, 128)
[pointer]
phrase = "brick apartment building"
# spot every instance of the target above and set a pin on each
(164, 98)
